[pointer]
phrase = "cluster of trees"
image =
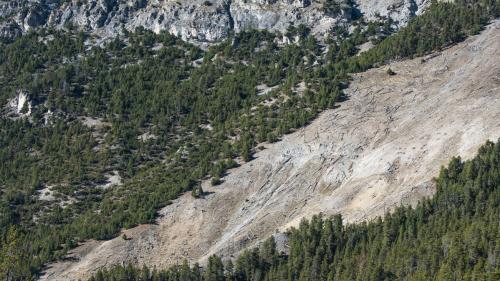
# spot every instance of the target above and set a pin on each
(202, 109)
(453, 236)
(441, 25)
(145, 84)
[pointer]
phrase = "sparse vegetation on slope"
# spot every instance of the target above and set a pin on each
(201, 109)
(441, 25)
(453, 236)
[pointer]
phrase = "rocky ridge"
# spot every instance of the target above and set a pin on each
(199, 21)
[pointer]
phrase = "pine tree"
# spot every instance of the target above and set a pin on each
(214, 270)
(12, 266)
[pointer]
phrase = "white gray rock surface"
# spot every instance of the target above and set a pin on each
(201, 21)
(20, 105)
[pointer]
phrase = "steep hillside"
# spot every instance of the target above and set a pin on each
(451, 236)
(378, 150)
(195, 20)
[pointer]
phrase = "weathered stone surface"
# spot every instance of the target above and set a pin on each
(201, 21)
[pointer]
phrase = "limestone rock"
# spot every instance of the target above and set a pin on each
(20, 105)
(199, 21)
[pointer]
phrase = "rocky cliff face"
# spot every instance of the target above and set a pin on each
(194, 20)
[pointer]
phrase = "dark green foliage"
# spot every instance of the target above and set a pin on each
(197, 191)
(202, 109)
(202, 118)
(346, 7)
(442, 24)
(216, 180)
(214, 270)
(12, 265)
(453, 236)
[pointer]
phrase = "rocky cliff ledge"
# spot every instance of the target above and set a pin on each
(200, 21)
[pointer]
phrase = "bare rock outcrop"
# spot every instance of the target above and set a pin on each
(201, 21)
(19, 106)
(378, 150)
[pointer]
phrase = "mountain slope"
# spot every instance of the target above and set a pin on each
(378, 150)
(451, 236)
